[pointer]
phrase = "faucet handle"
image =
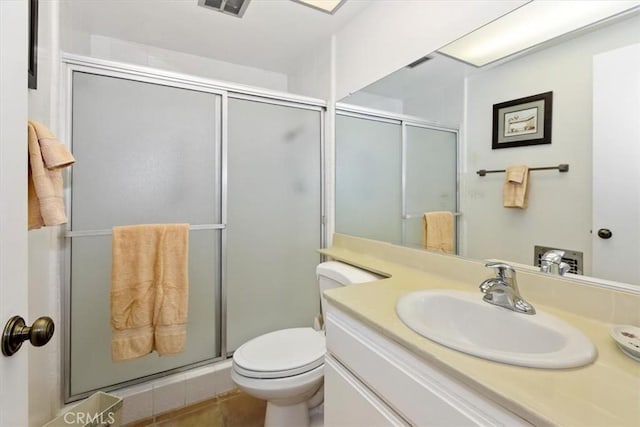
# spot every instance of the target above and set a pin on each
(501, 269)
(564, 268)
(551, 262)
(553, 256)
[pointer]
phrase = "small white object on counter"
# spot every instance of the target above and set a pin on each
(628, 339)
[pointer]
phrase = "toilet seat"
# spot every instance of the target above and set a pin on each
(280, 354)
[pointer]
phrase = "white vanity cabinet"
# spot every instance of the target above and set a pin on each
(371, 380)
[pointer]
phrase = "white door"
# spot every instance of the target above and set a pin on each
(616, 156)
(13, 200)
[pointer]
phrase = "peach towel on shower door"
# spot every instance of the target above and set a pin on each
(149, 290)
(437, 231)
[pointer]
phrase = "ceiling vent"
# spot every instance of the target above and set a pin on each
(419, 61)
(229, 7)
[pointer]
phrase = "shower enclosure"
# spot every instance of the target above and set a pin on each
(242, 167)
(390, 169)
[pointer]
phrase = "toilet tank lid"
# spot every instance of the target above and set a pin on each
(345, 273)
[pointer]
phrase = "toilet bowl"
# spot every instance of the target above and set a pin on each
(286, 367)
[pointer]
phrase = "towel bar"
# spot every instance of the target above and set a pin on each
(411, 216)
(107, 231)
(563, 167)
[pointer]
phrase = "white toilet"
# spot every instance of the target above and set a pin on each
(286, 367)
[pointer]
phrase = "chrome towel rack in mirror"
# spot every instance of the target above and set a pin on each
(563, 167)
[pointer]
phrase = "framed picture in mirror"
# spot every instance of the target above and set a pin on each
(523, 121)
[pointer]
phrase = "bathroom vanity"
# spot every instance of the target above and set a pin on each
(380, 372)
(372, 381)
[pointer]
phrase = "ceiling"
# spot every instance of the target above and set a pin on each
(271, 35)
(438, 72)
(442, 71)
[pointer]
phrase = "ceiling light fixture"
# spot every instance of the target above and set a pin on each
(328, 6)
(534, 23)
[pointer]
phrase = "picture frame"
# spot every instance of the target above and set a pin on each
(524, 121)
(32, 72)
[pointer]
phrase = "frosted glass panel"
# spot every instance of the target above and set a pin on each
(91, 365)
(430, 176)
(413, 229)
(145, 153)
(273, 218)
(368, 178)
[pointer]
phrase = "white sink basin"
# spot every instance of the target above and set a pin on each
(462, 321)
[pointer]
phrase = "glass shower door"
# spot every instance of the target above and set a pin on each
(430, 177)
(274, 217)
(389, 172)
(145, 153)
(369, 178)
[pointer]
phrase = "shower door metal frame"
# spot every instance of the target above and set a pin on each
(403, 120)
(76, 63)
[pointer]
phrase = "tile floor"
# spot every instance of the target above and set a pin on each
(232, 409)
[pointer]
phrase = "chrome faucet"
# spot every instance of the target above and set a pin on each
(502, 290)
(551, 262)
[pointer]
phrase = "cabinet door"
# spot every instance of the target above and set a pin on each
(410, 386)
(348, 402)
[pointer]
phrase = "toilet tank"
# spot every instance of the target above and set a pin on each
(333, 274)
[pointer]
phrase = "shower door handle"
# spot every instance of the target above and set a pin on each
(16, 332)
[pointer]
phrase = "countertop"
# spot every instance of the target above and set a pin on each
(604, 393)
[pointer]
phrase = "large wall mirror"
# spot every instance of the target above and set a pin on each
(594, 76)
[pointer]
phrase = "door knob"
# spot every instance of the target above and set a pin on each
(605, 233)
(16, 331)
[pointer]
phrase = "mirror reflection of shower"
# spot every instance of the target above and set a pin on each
(455, 94)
